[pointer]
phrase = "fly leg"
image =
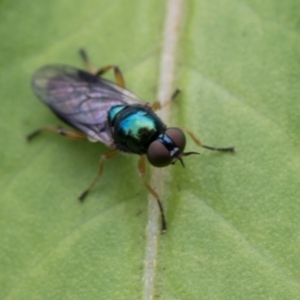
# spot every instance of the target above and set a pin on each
(72, 134)
(198, 142)
(118, 74)
(103, 158)
(87, 62)
(157, 105)
(142, 173)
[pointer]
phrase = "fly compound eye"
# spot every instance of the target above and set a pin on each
(166, 148)
(158, 155)
(178, 137)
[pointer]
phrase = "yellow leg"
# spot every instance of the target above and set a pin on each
(118, 74)
(198, 142)
(142, 173)
(72, 134)
(87, 62)
(157, 105)
(103, 158)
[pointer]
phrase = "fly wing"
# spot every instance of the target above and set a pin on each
(81, 99)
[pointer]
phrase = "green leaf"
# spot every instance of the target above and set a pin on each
(233, 219)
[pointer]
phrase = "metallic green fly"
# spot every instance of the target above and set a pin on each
(102, 111)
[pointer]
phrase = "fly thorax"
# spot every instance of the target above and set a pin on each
(134, 127)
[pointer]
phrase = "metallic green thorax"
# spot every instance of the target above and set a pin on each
(134, 127)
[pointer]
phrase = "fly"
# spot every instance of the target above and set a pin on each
(102, 111)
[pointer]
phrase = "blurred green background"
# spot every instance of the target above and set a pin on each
(233, 219)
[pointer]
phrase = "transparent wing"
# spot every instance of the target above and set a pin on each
(81, 99)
